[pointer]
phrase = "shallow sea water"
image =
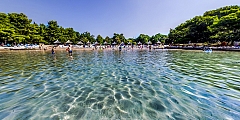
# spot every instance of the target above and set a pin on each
(139, 84)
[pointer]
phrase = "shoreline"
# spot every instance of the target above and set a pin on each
(7, 49)
(214, 49)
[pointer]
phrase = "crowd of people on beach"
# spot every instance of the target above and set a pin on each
(70, 47)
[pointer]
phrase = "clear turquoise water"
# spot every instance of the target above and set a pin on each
(120, 85)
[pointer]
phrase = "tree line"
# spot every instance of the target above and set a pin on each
(16, 28)
(221, 25)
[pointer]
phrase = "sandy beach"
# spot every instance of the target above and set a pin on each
(49, 48)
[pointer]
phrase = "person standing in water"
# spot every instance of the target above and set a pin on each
(70, 50)
(53, 51)
(120, 48)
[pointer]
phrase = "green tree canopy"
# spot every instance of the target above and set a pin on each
(99, 39)
(222, 24)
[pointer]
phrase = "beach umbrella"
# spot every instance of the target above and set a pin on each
(114, 43)
(80, 43)
(105, 43)
(68, 42)
(57, 42)
(139, 43)
(88, 43)
(96, 43)
(149, 42)
(158, 42)
(129, 43)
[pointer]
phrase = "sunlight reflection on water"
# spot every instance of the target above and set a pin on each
(120, 85)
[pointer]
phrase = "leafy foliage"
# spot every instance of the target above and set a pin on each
(17, 28)
(222, 24)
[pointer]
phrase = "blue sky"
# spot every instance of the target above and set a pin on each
(105, 17)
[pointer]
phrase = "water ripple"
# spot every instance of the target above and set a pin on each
(136, 84)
